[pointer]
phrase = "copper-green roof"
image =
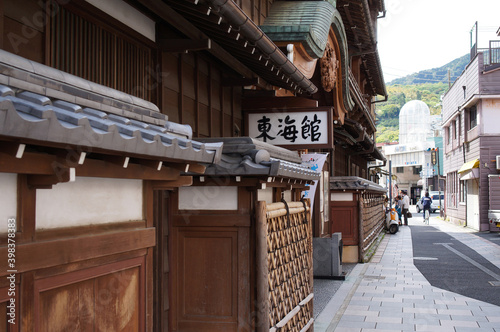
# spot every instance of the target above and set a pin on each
(307, 22)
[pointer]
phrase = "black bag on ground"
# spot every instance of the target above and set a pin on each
(408, 214)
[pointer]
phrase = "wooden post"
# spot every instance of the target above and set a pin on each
(361, 240)
(262, 269)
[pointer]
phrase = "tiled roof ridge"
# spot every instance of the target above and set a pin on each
(23, 74)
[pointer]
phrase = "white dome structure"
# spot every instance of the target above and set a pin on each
(414, 122)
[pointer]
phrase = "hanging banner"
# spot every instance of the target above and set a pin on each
(315, 161)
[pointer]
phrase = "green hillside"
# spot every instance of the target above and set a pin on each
(426, 85)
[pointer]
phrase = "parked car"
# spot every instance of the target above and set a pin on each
(434, 195)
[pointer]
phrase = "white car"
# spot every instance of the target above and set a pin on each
(434, 195)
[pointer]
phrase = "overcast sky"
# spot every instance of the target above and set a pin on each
(424, 34)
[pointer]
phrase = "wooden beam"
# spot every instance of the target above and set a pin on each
(60, 175)
(182, 181)
(26, 210)
(45, 164)
(187, 28)
(184, 45)
(39, 255)
(242, 81)
(31, 163)
(13, 149)
(257, 103)
(216, 219)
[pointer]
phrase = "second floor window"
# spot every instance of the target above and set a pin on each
(400, 169)
(472, 117)
(417, 170)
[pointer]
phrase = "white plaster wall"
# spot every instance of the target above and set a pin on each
(265, 195)
(341, 197)
(208, 198)
(490, 115)
(89, 201)
(128, 15)
(8, 199)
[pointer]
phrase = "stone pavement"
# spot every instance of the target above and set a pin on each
(390, 294)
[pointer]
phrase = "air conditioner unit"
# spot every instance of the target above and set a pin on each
(498, 162)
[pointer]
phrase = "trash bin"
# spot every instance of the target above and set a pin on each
(327, 257)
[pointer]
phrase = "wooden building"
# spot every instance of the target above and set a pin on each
(82, 169)
(471, 140)
(196, 69)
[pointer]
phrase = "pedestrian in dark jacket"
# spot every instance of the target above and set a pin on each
(426, 204)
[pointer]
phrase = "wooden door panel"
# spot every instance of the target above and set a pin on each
(345, 220)
(207, 276)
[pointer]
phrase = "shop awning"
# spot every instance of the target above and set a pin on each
(468, 166)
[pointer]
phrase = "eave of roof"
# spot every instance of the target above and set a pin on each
(230, 27)
(245, 156)
(309, 22)
(359, 30)
(354, 183)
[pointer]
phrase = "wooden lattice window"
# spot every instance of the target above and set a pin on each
(98, 54)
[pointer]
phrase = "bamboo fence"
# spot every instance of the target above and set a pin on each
(284, 276)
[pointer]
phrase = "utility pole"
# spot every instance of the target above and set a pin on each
(439, 184)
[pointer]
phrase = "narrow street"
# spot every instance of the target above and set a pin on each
(448, 263)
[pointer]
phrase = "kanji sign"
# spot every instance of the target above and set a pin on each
(289, 128)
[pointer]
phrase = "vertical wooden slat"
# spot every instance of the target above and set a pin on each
(26, 209)
(27, 314)
(210, 101)
(197, 95)
(262, 269)
(181, 87)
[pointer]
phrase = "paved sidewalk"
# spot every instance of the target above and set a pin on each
(390, 294)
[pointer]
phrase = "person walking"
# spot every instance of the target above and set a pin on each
(426, 204)
(399, 208)
(406, 206)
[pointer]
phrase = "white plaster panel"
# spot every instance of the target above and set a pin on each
(89, 201)
(128, 15)
(491, 115)
(341, 197)
(265, 195)
(208, 198)
(8, 199)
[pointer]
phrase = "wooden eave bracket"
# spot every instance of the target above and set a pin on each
(61, 175)
(181, 181)
(184, 45)
(189, 168)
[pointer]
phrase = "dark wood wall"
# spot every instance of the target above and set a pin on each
(193, 93)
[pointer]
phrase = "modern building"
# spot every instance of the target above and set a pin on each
(471, 113)
(413, 167)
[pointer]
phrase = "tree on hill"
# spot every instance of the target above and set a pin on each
(426, 85)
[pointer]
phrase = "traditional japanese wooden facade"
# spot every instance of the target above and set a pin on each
(81, 169)
(206, 64)
(361, 202)
(241, 243)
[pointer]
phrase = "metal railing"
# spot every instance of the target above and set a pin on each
(491, 55)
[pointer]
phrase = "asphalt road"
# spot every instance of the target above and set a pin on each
(449, 264)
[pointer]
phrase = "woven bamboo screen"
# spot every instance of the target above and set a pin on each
(373, 218)
(286, 281)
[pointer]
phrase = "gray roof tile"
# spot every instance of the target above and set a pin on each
(33, 116)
